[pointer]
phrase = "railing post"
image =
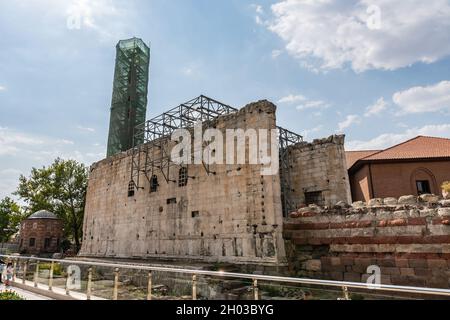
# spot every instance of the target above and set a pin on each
(116, 283)
(345, 291)
(194, 287)
(255, 289)
(149, 286)
(14, 270)
(89, 284)
(50, 277)
(24, 277)
(67, 281)
(36, 274)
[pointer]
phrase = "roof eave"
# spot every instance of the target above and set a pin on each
(358, 164)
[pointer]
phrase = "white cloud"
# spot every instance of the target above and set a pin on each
(330, 34)
(258, 20)
(376, 108)
(43, 149)
(11, 141)
(387, 140)
(259, 13)
(9, 180)
(187, 71)
(424, 99)
(65, 142)
(192, 69)
(258, 8)
(309, 132)
(276, 53)
(86, 129)
(96, 15)
(349, 121)
(292, 98)
(103, 20)
(402, 125)
(304, 102)
(313, 104)
(2, 88)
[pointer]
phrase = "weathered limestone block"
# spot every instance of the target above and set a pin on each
(390, 201)
(375, 202)
(313, 265)
(359, 204)
(407, 200)
(444, 203)
(430, 198)
(427, 213)
(444, 212)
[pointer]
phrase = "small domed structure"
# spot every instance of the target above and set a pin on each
(41, 233)
(43, 214)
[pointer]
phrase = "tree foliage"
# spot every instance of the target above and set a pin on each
(61, 189)
(446, 186)
(10, 217)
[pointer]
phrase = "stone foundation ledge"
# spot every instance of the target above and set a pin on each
(409, 202)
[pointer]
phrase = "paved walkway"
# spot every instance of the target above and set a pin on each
(60, 291)
(25, 294)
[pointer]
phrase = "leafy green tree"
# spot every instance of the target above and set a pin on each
(61, 189)
(10, 218)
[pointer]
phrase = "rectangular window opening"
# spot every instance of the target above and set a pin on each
(315, 197)
(171, 200)
(195, 214)
(423, 187)
(131, 189)
(154, 184)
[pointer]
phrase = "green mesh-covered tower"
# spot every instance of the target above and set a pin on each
(129, 99)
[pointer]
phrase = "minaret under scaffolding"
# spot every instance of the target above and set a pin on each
(129, 99)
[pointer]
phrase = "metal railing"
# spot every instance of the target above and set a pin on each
(253, 278)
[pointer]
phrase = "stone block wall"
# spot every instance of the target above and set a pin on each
(320, 168)
(408, 238)
(233, 215)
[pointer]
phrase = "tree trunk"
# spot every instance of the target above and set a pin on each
(76, 237)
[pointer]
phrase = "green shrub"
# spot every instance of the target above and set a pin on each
(10, 295)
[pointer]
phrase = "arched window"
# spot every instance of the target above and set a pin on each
(154, 184)
(423, 181)
(183, 177)
(131, 189)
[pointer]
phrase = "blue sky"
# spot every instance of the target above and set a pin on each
(377, 71)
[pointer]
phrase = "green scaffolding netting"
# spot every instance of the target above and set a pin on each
(129, 99)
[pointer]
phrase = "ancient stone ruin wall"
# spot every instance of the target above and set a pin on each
(233, 215)
(408, 238)
(319, 170)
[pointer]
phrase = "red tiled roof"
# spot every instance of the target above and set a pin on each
(418, 148)
(354, 156)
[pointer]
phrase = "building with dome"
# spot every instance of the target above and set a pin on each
(41, 233)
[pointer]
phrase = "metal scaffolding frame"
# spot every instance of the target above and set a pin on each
(152, 153)
(286, 138)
